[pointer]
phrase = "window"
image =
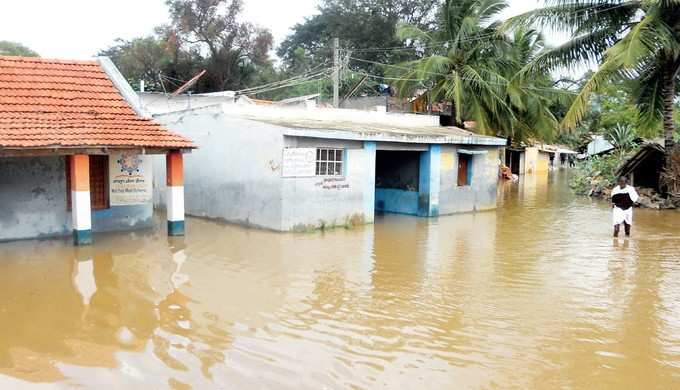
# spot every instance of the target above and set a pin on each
(464, 169)
(99, 182)
(329, 162)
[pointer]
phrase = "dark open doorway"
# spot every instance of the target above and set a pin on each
(397, 177)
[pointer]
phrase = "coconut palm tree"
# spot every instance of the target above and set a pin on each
(463, 58)
(469, 62)
(636, 40)
(529, 99)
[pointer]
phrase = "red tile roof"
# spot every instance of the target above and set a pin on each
(55, 103)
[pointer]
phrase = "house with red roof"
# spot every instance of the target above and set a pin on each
(76, 152)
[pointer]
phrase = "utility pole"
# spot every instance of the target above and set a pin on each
(336, 72)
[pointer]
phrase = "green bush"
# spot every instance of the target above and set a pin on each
(594, 175)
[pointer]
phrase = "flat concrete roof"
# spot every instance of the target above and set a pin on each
(346, 124)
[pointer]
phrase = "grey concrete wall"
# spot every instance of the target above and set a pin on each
(234, 175)
(33, 202)
(33, 198)
(318, 202)
(481, 194)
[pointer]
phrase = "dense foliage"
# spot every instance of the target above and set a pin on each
(596, 174)
(203, 34)
(8, 48)
(637, 41)
(360, 25)
(467, 61)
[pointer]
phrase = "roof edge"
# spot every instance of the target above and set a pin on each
(378, 136)
(123, 86)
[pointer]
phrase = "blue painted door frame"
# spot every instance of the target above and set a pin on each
(429, 182)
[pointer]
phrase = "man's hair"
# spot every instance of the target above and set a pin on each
(625, 179)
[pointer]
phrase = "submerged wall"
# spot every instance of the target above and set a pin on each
(33, 198)
(234, 175)
(481, 194)
(536, 161)
(33, 202)
(319, 202)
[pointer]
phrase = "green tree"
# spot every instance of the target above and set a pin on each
(360, 25)
(150, 57)
(234, 49)
(470, 63)
(532, 101)
(635, 40)
(8, 48)
(202, 35)
(464, 57)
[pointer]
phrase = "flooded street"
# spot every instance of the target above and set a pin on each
(534, 295)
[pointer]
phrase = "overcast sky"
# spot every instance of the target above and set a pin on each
(78, 29)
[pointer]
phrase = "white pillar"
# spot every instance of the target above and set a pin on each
(80, 199)
(175, 202)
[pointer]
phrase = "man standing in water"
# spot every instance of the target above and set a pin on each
(623, 199)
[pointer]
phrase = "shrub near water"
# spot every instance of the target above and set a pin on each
(596, 175)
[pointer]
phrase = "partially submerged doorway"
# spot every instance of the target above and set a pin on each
(397, 178)
(513, 159)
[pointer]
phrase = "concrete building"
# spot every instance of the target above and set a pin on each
(74, 152)
(299, 169)
(537, 159)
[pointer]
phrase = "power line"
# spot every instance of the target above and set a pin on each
(321, 76)
(383, 77)
(286, 83)
(310, 73)
(423, 47)
(395, 66)
(447, 75)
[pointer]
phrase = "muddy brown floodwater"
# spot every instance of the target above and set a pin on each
(534, 295)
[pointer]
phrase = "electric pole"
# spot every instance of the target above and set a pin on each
(336, 72)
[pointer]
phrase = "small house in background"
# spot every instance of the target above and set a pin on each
(599, 146)
(75, 152)
(305, 168)
(537, 159)
(644, 168)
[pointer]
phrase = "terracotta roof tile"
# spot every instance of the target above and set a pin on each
(53, 103)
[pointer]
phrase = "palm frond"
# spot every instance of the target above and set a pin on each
(579, 106)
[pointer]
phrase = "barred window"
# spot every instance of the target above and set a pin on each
(329, 162)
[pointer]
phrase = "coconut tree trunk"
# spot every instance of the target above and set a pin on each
(670, 178)
(454, 117)
(669, 90)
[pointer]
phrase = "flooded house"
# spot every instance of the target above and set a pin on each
(75, 152)
(537, 159)
(598, 146)
(643, 169)
(305, 168)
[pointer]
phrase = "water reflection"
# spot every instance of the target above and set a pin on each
(535, 294)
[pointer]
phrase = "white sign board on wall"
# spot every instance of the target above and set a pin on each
(299, 162)
(130, 179)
